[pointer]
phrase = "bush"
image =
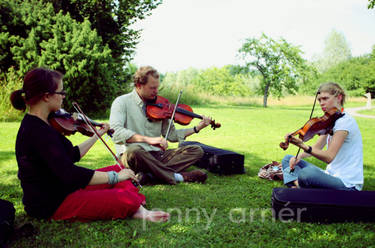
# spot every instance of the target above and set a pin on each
(76, 51)
(60, 43)
(211, 82)
(9, 82)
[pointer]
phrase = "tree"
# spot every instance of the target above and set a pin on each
(212, 81)
(335, 51)
(59, 42)
(77, 51)
(186, 77)
(220, 82)
(112, 20)
(357, 75)
(309, 83)
(279, 63)
(89, 41)
(371, 4)
(11, 29)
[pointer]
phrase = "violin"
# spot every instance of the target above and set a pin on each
(68, 124)
(160, 108)
(317, 125)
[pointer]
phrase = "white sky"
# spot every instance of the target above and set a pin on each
(204, 33)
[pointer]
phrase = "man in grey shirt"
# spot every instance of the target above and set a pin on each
(140, 142)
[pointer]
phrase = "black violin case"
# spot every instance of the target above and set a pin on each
(323, 205)
(7, 215)
(218, 160)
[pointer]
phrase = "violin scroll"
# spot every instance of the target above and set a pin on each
(285, 145)
(215, 125)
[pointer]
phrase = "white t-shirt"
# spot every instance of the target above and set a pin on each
(348, 163)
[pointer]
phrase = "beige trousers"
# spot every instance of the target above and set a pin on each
(161, 164)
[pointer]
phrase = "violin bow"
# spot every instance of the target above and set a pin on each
(312, 110)
(172, 117)
(79, 110)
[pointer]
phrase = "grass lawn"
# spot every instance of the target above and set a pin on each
(227, 211)
(367, 112)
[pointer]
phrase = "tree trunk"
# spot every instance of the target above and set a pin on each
(265, 95)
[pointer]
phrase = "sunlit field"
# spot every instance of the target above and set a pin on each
(227, 211)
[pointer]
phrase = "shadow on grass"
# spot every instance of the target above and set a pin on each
(11, 192)
(7, 155)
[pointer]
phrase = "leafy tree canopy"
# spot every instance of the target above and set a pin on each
(111, 19)
(336, 50)
(357, 75)
(371, 4)
(88, 41)
(211, 81)
(280, 64)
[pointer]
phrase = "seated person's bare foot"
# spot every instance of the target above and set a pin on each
(153, 216)
(296, 184)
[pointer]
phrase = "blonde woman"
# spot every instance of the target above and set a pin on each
(344, 154)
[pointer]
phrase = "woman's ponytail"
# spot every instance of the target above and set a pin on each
(17, 100)
(36, 83)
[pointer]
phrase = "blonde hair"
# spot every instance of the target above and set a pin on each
(333, 89)
(141, 75)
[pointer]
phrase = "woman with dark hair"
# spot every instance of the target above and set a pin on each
(344, 153)
(53, 186)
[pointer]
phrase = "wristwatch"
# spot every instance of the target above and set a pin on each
(309, 150)
(195, 129)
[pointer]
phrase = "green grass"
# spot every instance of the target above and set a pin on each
(227, 211)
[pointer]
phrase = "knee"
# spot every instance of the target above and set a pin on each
(196, 150)
(131, 155)
(305, 175)
(134, 151)
(285, 161)
(199, 152)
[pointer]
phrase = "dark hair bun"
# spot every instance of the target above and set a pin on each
(17, 100)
